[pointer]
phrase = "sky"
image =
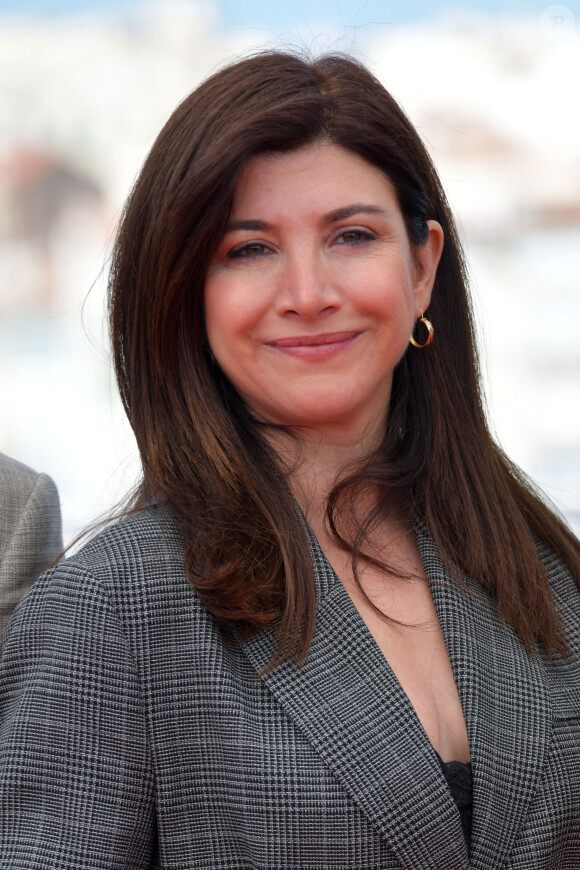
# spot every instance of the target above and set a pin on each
(282, 13)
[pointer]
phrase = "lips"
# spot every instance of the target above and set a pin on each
(315, 340)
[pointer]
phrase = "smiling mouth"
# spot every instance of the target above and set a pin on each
(315, 340)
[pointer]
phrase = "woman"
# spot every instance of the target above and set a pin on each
(331, 574)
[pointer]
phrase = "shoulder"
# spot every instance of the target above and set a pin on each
(128, 582)
(30, 530)
(19, 485)
(19, 479)
(139, 552)
(143, 545)
(133, 567)
(15, 474)
(566, 591)
(562, 673)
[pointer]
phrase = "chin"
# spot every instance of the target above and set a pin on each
(316, 418)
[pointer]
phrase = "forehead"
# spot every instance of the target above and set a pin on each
(314, 173)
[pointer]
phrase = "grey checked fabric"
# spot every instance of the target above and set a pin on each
(134, 735)
(30, 531)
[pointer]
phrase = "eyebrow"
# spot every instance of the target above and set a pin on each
(253, 226)
(341, 214)
(338, 214)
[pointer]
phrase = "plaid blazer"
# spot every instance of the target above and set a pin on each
(133, 735)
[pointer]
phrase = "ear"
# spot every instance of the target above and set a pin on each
(427, 258)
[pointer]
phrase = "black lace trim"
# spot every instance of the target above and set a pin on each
(460, 781)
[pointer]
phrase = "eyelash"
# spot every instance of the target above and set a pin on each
(364, 236)
(244, 251)
(251, 250)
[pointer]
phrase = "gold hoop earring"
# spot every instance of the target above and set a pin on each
(430, 333)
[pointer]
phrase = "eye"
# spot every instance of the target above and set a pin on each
(355, 237)
(248, 250)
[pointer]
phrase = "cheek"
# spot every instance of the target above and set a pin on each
(231, 321)
(389, 300)
(212, 313)
(219, 323)
(221, 308)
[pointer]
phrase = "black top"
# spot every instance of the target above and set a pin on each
(460, 782)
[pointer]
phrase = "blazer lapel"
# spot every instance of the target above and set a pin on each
(506, 707)
(350, 706)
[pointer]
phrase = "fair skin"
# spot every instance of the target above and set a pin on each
(309, 302)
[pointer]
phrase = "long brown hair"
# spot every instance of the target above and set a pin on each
(203, 455)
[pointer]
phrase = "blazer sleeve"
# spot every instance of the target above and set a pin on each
(30, 532)
(76, 787)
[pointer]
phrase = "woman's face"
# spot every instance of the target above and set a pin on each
(313, 292)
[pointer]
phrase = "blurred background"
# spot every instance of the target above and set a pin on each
(86, 86)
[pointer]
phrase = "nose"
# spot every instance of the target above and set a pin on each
(307, 288)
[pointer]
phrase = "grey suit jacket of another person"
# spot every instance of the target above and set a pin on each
(134, 734)
(30, 531)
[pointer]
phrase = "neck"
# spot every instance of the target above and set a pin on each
(317, 461)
